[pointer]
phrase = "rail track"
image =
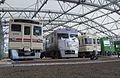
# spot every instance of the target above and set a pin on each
(63, 60)
(48, 61)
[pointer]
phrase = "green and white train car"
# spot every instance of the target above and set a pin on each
(107, 46)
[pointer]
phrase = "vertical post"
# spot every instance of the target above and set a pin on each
(1, 40)
(1, 34)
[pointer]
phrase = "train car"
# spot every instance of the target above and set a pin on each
(89, 45)
(62, 43)
(117, 47)
(25, 39)
(107, 46)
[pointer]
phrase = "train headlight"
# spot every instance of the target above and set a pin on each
(13, 39)
(39, 40)
(27, 49)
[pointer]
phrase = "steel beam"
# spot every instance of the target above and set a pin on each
(73, 1)
(82, 15)
(97, 29)
(39, 9)
(91, 4)
(61, 15)
(116, 3)
(92, 20)
(47, 11)
(111, 30)
(101, 26)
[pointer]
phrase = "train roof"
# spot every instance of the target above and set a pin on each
(88, 35)
(20, 20)
(66, 30)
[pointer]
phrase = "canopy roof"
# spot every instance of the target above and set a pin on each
(100, 17)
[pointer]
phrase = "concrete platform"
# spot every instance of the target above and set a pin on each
(5, 61)
(1, 62)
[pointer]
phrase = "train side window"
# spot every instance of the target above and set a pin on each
(79, 42)
(52, 40)
(37, 31)
(82, 41)
(73, 35)
(94, 42)
(98, 41)
(26, 30)
(62, 35)
(117, 46)
(16, 27)
(88, 41)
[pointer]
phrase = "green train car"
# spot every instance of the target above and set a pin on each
(107, 46)
(117, 46)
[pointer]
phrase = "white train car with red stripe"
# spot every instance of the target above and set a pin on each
(25, 39)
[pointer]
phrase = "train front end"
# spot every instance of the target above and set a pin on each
(25, 39)
(68, 43)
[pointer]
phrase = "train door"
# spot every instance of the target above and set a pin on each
(27, 38)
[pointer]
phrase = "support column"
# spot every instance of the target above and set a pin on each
(1, 40)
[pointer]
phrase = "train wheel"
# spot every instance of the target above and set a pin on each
(96, 57)
(92, 57)
(53, 55)
(42, 55)
(56, 55)
(59, 55)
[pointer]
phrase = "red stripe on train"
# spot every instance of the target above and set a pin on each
(23, 39)
(26, 40)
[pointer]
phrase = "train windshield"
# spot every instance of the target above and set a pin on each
(62, 35)
(16, 27)
(73, 35)
(37, 31)
(88, 40)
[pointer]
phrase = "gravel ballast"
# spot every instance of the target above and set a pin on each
(99, 70)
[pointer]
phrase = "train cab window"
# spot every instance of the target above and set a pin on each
(98, 41)
(82, 41)
(16, 27)
(52, 40)
(117, 46)
(37, 31)
(62, 35)
(79, 42)
(73, 35)
(26, 30)
(88, 41)
(94, 41)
